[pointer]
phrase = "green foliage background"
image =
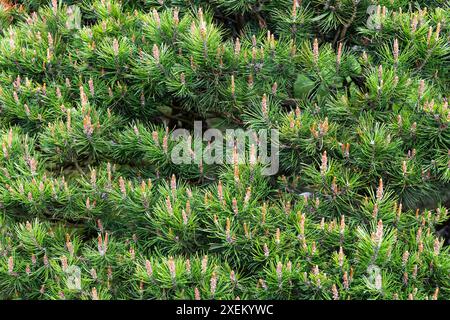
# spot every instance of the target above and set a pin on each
(90, 92)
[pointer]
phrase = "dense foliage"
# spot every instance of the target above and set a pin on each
(90, 92)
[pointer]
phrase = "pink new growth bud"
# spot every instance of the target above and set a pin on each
(430, 33)
(83, 97)
(10, 265)
(262, 283)
(279, 271)
(236, 172)
(171, 264)
(188, 203)
(345, 282)
(213, 284)
(436, 247)
(324, 165)
(435, 294)
(5, 151)
(122, 186)
(438, 31)
(316, 51)
(395, 50)
(165, 143)
(55, 6)
(232, 277)
(315, 270)
(335, 292)
(116, 47)
(169, 206)
(188, 266)
(237, 47)
(263, 213)
(94, 294)
(102, 244)
(17, 83)
(184, 216)
(323, 127)
(176, 18)
(155, 138)
(148, 268)
(380, 190)
(100, 225)
(12, 42)
(266, 250)
(220, 190)
(415, 270)
(254, 53)
(250, 80)
(93, 177)
(50, 40)
(421, 89)
(91, 86)
(254, 41)
(405, 257)
(341, 256)
(93, 273)
(203, 28)
(378, 236)
(404, 168)
(16, 97)
(248, 195)
(375, 211)
(295, 4)
(10, 137)
(196, 294)
(156, 54)
(301, 223)
(414, 23)
(339, 54)
(228, 230)
(204, 263)
(264, 105)
(274, 88)
(156, 18)
(88, 204)
(378, 282)
(235, 206)
(313, 248)
(33, 165)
